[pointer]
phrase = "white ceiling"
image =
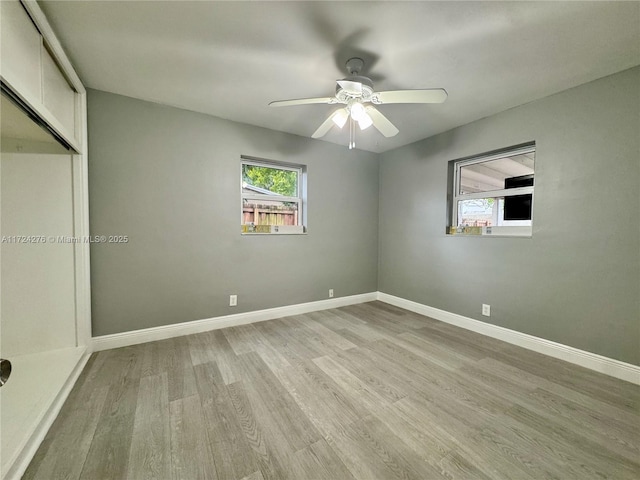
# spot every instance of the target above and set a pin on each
(230, 59)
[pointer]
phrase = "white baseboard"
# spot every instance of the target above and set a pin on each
(135, 337)
(592, 361)
(30, 447)
(598, 363)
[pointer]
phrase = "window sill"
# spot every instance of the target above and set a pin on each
(270, 234)
(500, 231)
(272, 230)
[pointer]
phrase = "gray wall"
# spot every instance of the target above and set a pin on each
(577, 281)
(170, 180)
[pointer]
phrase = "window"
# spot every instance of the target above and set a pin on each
(271, 197)
(493, 194)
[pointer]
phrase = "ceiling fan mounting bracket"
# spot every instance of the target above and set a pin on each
(354, 65)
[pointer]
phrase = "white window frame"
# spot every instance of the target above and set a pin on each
(298, 199)
(508, 192)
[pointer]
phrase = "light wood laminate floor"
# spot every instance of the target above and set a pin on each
(362, 392)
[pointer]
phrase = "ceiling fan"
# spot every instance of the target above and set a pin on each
(357, 94)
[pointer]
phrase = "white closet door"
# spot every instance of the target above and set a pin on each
(38, 296)
(21, 43)
(58, 96)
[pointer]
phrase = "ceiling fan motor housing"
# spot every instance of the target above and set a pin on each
(367, 89)
(364, 90)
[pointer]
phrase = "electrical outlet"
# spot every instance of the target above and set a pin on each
(486, 310)
(233, 300)
(331, 293)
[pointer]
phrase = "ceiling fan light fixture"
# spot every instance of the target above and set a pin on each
(365, 122)
(340, 117)
(357, 111)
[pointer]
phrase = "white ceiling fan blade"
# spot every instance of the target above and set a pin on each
(432, 95)
(382, 123)
(325, 127)
(302, 101)
(354, 88)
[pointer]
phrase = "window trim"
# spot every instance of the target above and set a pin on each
(457, 196)
(299, 199)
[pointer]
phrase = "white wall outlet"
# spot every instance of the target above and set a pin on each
(331, 293)
(233, 300)
(486, 310)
